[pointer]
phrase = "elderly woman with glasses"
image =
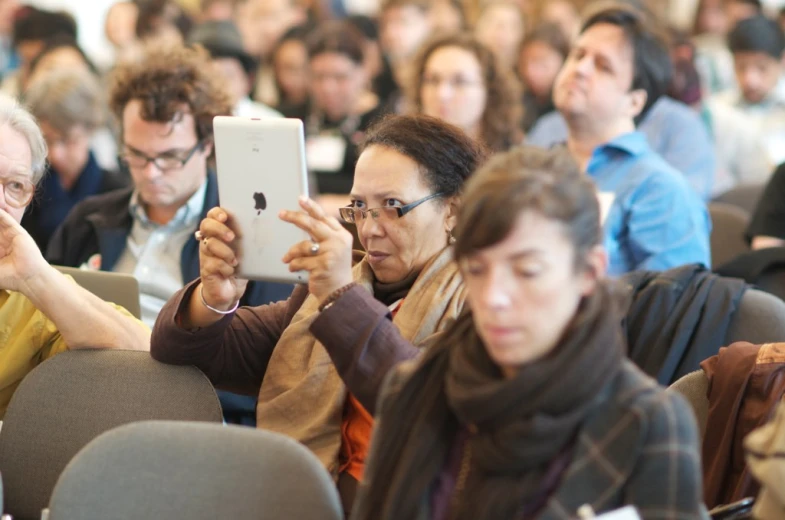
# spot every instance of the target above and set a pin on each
(316, 360)
(42, 313)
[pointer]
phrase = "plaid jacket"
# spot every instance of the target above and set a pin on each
(639, 447)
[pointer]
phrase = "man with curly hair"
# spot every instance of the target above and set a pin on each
(165, 104)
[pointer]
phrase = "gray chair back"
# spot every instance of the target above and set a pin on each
(695, 387)
(194, 471)
(744, 197)
(759, 319)
(70, 399)
(728, 224)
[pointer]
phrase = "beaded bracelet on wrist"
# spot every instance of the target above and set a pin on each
(335, 295)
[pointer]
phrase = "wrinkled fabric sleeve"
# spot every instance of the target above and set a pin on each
(364, 344)
(234, 351)
(668, 227)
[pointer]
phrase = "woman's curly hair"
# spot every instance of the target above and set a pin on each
(166, 80)
(501, 120)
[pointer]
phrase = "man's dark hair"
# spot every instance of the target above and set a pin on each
(171, 81)
(757, 34)
(337, 37)
(652, 67)
(33, 24)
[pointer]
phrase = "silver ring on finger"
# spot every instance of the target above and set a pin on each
(315, 247)
(198, 235)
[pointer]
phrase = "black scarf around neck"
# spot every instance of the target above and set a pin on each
(519, 425)
(389, 293)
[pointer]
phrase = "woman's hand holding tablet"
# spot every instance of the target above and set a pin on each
(327, 257)
(218, 260)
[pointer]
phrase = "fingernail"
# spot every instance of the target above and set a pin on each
(230, 236)
(222, 217)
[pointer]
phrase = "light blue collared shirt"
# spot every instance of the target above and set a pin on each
(656, 221)
(152, 252)
(673, 130)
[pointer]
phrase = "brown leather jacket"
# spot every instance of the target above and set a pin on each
(745, 384)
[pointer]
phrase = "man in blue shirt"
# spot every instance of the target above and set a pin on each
(673, 130)
(653, 219)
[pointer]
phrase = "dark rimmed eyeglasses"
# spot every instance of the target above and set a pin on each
(138, 161)
(352, 215)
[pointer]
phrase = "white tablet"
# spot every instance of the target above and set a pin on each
(261, 170)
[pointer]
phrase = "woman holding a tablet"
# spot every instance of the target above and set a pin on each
(316, 360)
(527, 408)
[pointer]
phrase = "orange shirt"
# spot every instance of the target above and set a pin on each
(356, 431)
(355, 438)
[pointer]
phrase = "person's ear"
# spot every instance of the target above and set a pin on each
(452, 206)
(637, 100)
(207, 148)
(594, 270)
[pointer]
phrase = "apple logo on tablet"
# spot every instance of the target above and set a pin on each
(260, 202)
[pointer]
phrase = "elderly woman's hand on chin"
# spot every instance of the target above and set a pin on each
(327, 257)
(82, 319)
(21, 261)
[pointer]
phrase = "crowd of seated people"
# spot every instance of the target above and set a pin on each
(486, 177)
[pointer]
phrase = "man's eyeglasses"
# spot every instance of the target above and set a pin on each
(138, 161)
(353, 215)
(18, 191)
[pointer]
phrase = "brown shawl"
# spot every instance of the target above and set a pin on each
(302, 395)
